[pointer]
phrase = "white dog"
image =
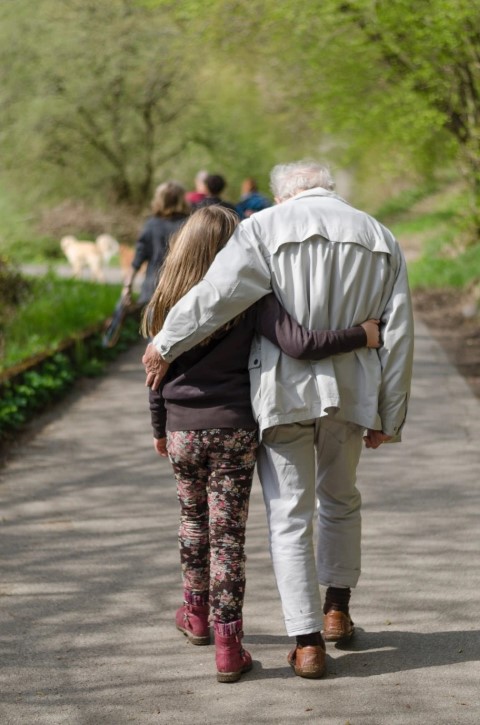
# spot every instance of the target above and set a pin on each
(90, 255)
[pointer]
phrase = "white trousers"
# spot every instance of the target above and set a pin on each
(302, 465)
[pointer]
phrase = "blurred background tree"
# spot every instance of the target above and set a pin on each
(91, 92)
(103, 100)
(384, 87)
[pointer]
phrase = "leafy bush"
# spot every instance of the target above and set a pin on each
(441, 271)
(434, 227)
(56, 310)
(61, 322)
(35, 250)
(13, 287)
(35, 389)
(13, 290)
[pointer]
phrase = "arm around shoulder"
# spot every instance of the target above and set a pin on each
(238, 277)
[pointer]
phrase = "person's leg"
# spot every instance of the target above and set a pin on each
(232, 455)
(189, 463)
(232, 458)
(286, 466)
(339, 445)
(287, 473)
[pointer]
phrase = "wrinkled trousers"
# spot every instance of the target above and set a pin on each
(305, 468)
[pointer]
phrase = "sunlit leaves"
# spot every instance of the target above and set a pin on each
(95, 97)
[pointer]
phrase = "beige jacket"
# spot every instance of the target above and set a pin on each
(331, 266)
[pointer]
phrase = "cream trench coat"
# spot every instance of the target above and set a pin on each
(332, 266)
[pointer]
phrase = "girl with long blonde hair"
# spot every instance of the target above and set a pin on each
(192, 250)
(202, 419)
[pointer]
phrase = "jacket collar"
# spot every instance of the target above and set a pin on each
(319, 191)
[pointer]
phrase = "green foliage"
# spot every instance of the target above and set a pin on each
(14, 219)
(440, 271)
(438, 228)
(102, 99)
(34, 250)
(431, 222)
(14, 290)
(35, 389)
(388, 82)
(400, 204)
(237, 138)
(56, 310)
(431, 215)
(93, 95)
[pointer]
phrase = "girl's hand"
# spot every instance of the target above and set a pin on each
(373, 332)
(160, 445)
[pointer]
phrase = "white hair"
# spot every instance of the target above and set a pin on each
(286, 180)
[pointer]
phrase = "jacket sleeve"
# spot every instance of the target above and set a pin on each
(238, 277)
(143, 247)
(275, 323)
(158, 413)
(396, 353)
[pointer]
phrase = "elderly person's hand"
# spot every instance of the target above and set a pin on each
(155, 367)
(374, 438)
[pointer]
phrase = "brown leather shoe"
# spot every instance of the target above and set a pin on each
(337, 626)
(308, 661)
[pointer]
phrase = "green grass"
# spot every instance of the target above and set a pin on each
(33, 250)
(434, 221)
(435, 271)
(445, 219)
(56, 310)
(403, 202)
(42, 385)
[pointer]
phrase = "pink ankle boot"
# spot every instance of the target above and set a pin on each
(192, 620)
(231, 659)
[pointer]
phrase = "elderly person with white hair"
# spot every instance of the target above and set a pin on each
(331, 266)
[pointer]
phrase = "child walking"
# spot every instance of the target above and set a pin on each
(202, 418)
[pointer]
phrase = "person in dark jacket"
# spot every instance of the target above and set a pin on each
(170, 210)
(202, 418)
(215, 185)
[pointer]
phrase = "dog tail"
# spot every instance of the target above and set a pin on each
(108, 246)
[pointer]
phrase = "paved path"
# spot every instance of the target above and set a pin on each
(90, 577)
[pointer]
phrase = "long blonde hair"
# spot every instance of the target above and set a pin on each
(191, 252)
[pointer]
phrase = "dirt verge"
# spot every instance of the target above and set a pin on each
(442, 312)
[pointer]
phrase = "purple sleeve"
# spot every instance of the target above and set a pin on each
(158, 413)
(274, 323)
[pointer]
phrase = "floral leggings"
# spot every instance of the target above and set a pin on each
(214, 470)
